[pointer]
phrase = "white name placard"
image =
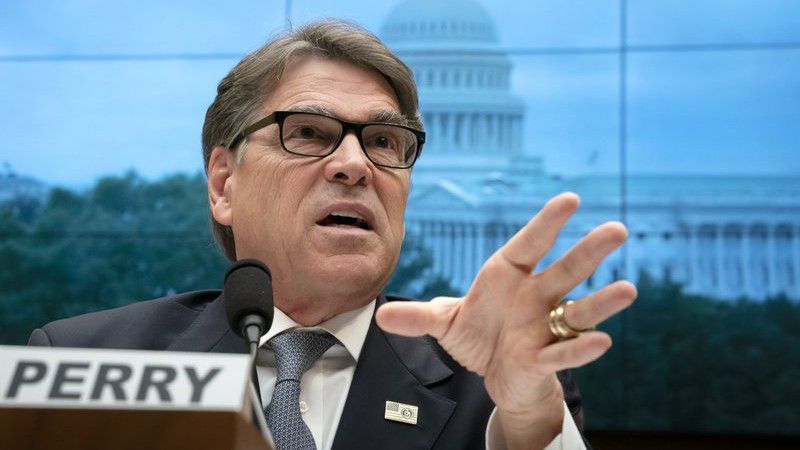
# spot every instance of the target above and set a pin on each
(46, 377)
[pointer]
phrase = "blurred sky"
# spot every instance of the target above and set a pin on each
(702, 112)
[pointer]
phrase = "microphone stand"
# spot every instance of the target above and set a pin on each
(253, 327)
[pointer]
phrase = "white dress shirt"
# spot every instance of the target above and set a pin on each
(324, 387)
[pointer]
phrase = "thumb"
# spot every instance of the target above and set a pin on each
(418, 318)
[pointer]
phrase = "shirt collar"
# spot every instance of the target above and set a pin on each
(350, 327)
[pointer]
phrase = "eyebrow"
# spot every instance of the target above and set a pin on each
(389, 116)
(311, 109)
(383, 116)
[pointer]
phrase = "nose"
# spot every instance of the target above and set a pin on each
(348, 164)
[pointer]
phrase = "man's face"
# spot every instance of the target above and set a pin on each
(281, 204)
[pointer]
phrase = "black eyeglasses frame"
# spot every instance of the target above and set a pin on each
(280, 116)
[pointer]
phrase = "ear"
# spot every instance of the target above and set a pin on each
(221, 184)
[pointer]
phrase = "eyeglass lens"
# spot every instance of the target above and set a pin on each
(314, 135)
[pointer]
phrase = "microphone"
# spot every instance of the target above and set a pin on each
(249, 307)
(248, 299)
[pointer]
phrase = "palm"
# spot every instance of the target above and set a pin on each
(504, 313)
(499, 329)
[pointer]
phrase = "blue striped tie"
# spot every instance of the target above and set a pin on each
(295, 353)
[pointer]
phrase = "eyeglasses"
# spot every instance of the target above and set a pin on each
(318, 135)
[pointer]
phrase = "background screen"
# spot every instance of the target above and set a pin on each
(678, 117)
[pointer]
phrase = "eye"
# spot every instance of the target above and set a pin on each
(307, 132)
(383, 142)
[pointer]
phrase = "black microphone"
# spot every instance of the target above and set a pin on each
(248, 299)
(249, 306)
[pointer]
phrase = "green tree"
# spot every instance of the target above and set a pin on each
(693, 363)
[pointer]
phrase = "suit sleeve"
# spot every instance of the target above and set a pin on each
(39, 339)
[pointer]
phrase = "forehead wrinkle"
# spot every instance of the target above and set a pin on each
(350, 97)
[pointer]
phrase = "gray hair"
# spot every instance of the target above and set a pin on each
(242, 92)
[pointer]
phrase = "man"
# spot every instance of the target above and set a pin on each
(308, 148)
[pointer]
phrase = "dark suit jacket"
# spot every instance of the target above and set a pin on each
(453, 404)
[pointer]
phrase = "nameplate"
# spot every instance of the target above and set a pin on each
(46, 377)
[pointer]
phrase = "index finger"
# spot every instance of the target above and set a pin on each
(529, 245)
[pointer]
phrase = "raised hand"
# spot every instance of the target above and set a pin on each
(499, 329)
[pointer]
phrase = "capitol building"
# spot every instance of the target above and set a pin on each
(476, 183)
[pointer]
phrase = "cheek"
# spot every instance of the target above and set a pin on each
(271, 197)
(395, 195)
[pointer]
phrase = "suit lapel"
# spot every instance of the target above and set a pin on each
(398, 369)
(210, 332)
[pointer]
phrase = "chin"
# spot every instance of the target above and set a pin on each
(353, 274)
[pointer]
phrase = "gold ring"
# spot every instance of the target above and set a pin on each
(558, 323)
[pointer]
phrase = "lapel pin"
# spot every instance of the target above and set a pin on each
(400, 412)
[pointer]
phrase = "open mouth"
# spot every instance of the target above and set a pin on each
(344, 220)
